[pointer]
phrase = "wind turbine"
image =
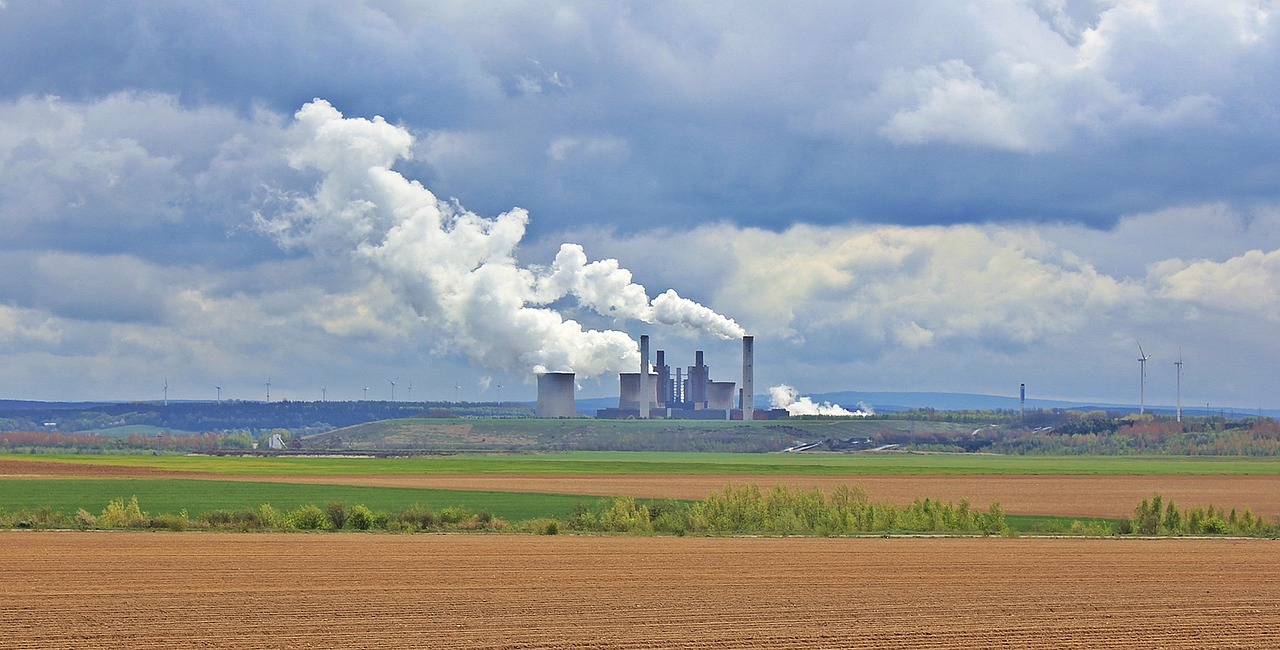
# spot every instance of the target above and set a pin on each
(219, 393)
(455, 393)
(393, 389)
(366, 393)
(1178, 363)
(1142, 385)
(410, 390)
(166, 391)
(324, 394)
(499, 392)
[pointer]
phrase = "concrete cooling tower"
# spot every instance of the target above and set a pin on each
(555, 395)
(720, 395)
(629, 390)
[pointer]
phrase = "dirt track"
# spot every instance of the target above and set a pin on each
(158, 590)
(1067, 496)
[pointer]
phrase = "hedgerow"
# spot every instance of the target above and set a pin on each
(733, 510)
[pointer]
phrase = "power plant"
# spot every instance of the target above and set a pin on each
(653, 391)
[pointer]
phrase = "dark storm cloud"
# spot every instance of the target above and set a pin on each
(907, 112)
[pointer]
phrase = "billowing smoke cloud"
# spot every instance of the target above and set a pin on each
(458, 269)
(783, 396)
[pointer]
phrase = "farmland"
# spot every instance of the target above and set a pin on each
(294, 590)
(1068, 487)
(154, 590)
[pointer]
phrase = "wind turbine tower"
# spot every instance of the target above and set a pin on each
(1142, 382)
(393, 389)
(1178, 363)
(219, 393)
(166, 391)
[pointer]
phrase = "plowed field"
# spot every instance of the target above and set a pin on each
(157, 590)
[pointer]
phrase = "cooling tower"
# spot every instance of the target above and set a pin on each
(720, 395)
(555, 395)
(629, 390)
(748, 377)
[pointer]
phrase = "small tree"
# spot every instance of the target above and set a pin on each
(337, 513)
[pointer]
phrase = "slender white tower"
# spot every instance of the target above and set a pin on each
(1178, 363)
(1142, 381)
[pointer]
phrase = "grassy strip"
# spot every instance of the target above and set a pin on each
(632, 463)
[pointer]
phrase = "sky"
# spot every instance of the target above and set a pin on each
(435, 200)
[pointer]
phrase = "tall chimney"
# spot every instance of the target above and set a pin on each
(698, 381)
(1022, 402)
(644, 377)
(748, 377)
(664, 378)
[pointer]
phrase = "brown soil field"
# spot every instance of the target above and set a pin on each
(1065, 496)
(164, 590)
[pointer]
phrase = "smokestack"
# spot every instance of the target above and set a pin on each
(748, 377)
(664, 378)
(698, 382)
(555, 395)
(644, 377)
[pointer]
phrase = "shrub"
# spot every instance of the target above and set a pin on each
(269, 517)
(453, 516)
(242, 520)
(417, 517)
(1214, 526)
(118, 514)
(176, 523)
(625, 516)
(308, 517)
(85, 519)
(360, 518)
(336, 511)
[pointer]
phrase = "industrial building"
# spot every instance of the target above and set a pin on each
(655, 391)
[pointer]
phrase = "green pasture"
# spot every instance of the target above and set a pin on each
(630, 463)
(169, 496)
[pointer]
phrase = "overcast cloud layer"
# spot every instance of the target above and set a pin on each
(892, 195)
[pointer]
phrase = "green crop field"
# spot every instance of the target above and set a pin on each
(630, 463)
(169, 496)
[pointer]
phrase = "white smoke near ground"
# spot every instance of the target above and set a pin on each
(783, 396)
(458, 269)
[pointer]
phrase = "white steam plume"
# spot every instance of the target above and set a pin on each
(783, 396)
(458, 269)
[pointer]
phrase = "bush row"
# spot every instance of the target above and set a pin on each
(121, 514)
(746, 510)
(1155, 516)
(733, 510)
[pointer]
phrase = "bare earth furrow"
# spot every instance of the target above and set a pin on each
(157, 590)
